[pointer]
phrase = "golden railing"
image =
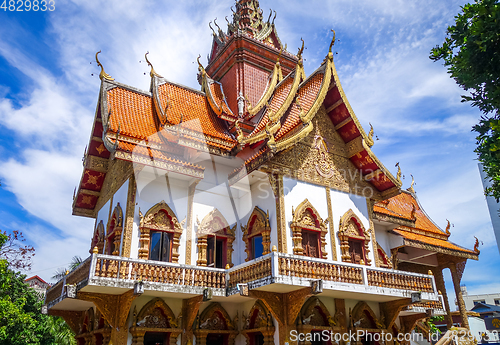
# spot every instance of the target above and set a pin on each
(399, 280)
(272, 268)
(320, 270)
(252, 272)
(159, 272)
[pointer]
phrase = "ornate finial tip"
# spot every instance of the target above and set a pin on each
(102, 75)
(227, 266)
(333, 42)
(95, 250)
(275, 249)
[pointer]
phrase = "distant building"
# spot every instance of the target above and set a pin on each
(493, 207)
(472, 300)
(38, 284)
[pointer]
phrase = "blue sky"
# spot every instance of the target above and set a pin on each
(48, 98)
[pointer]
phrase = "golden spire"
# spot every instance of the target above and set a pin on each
(153, 72)
(210, 25)
(411, 189)
(333, 41)
(238, 131)
(102, 75)
(448, 226)
(398, 176)
(301, 50)
(476, 245)
(370, 141)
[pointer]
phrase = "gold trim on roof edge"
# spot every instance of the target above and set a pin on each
(269, 92)
(364, 137)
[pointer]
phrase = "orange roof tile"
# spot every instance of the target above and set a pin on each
(132, 112)
(189, 105)
(154, 154)
(278, 98)
(306, 94)
(431, 241)
(401, 206)
(218, 97)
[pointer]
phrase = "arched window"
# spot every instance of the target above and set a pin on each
(98, 238)
(114, 232)
(309, 231)
(214, 326)
(160, 234)
(257, 234)
(259, 327)
(155, 324)
(354, 239)
(314, 318)
(382, 258)
(215, 241)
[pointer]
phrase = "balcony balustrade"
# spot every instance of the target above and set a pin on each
(273, 272)
(431, 307)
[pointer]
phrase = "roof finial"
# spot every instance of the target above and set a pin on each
(301, 50)
(448, 226)
(411, 189)
(333, 41)
(102, 75)
(210, 25)
(238, 131)
(152, 73)
(221, 33)
(398, 176)
(476, 245)
(270, 14)
(200, 66)
(274, 17)
(370, 136)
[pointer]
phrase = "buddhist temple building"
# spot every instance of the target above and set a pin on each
(250, 211)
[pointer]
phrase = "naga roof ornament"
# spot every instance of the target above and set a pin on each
(152, 73)
(102, 74)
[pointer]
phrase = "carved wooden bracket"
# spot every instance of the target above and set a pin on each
(285, 307)
(390, 310)
(190, 309)
(115, 309)
(408, 322)
(72, 318)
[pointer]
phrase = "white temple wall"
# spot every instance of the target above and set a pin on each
(383, 239)
(295, 193)
(153, 186)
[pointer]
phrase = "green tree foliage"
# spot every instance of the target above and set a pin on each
(17, 254)
(21, 320)
(471, 52)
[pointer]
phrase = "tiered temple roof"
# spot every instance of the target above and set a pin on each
(255, 102)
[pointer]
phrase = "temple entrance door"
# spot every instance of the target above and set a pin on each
(215, 339)
(156, 338)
